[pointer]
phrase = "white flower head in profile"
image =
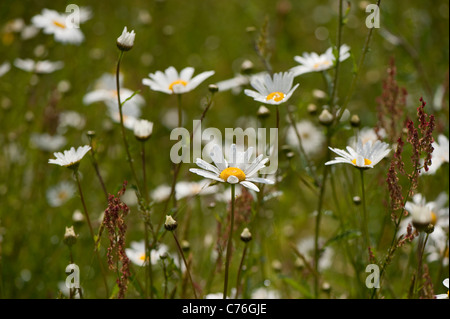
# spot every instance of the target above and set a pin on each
(137, 253)
(172, 82)
(312, 138)
(272, 90)
(364, 156)
(240, 169)
(143, 129)
(70, 158)
(439, 155)
(61, 25)
(39, 67)
(126, 40)
(313, 62)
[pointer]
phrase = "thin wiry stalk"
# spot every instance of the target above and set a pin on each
(229, 245)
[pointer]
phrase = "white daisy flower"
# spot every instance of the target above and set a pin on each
(70, 119)
(47, 142)
(239, 170)
(126, 40)
(237, 82)
(60, 194)
(439, 155)
(143, 129)
(172, 82)
(443, 296)
(366, 134)
(313, 62)
(40, 67)
(105, 91)
(312, 138)
(184, 189)
(264, 293)
(364, 156)
(274, 90)
(4, 68)
(433, 212)
(53, 22)
(137, 253)
(70, 158)
(306, 246)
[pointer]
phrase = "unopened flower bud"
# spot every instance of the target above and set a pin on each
(357, 200)
(326, 287)
(246, 236)
(421, 217)
(126, 40)
(263, 112)
(164, 255)
(185, 246)
(312, 109)
(276, 265)
(170, 224)
(212, 205)
(90, 134)
(247, 67)
(213, 88)
(326, 118)
(143, 129)
(320, 95)
(299, 264)
(70, 238)
(355, 121)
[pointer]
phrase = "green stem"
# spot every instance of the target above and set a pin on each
(91, 231)
(185, 263)
(122, 126)
(339, 37)
(365, 228)
(229, 245)
(358, 71)
(238, 281)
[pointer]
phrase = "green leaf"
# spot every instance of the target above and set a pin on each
(297, 286)
(349, 234)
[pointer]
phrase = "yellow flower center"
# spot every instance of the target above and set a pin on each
(184, 83)
(63, 195)
(366, 161)
(59, 24)
(276, 96)
(232, 171)
(318, 64)
(142, 257)
(433, 218)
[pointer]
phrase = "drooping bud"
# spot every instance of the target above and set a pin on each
(263, 112)
(355, 121)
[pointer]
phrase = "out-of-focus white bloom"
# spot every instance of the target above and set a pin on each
(137, 253)
(71, 157)
(313, 62)
(274, 90)
(365, 156)
(219, 295)
(264, 293)
(47, 142)
(306, 247)
(439, 155)
(238, 170)
(126, 40)
(29, 32)
(143, 129)
(238, 81)
(172, 82)
(105, 91)
(4, 68)
(312, 138)
(40, 67)
(60, 194)
(70, 119)
(184, 189)
(443, 296)
(366, 134)
(64, 29)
